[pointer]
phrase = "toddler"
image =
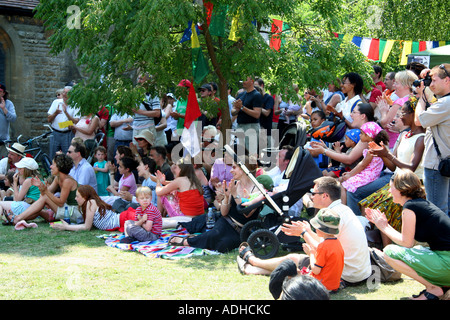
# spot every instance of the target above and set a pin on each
(351, 140)
(147, 224)
(370, 167)
(9, 177)
(317, 118)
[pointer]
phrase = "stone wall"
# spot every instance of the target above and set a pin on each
(32, 74)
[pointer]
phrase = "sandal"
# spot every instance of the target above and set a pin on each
(246, 253)
(176, 241)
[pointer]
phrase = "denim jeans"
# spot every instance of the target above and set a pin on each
(437, 189)
(364, 191)
(59, 142)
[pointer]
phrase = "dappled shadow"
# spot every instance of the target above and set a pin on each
(45, 241)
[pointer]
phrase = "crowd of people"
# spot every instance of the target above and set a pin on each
(384, 174)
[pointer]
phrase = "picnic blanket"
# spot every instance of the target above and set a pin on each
(158, 248)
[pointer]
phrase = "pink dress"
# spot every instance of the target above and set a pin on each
(369, 174)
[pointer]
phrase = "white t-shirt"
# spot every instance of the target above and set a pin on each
(346, 107)
(58, 104)
(353, 239)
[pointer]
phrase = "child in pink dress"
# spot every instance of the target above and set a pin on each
(370, 167)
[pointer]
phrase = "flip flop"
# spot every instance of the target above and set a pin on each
(23, 224)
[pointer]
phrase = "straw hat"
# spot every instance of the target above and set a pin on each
(17, 148)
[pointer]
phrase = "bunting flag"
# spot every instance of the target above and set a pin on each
(387, 50)
(187, 34)
(234, 27)
(218, 21)
(199, 65)
(189, 137)
(407, 47)
(379, 49)
(275, 40)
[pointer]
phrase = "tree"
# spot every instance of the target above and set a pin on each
(117, 39)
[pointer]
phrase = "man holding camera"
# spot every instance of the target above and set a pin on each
(435, 117)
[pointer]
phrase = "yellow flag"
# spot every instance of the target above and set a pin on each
(407, 48)
(235, 24)
(387, 50)
(194, 38)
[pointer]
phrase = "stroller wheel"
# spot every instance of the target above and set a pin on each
(264, 243)
(249, 228)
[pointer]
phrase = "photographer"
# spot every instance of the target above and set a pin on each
(434, 115)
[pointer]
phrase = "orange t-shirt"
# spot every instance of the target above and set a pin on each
(330, 258)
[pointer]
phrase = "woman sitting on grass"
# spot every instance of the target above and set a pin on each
(421, 221)
(24, 192)
(64, 184)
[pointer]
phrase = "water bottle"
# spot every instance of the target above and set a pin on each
(66, 215)
(210, 219)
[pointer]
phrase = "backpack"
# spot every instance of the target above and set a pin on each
(329, 131)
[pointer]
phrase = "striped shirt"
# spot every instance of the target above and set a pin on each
(153, 214)
(109, 221)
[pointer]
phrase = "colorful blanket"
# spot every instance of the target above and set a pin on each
(158, 248)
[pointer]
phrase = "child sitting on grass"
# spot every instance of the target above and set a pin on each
(9, 178)
(147, 225)
(326, 261)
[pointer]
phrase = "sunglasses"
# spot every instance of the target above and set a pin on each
(445, 70)
(314, 193)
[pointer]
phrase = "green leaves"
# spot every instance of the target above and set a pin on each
(116, 40)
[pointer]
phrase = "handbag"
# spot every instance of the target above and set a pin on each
(387, 273)
(74, 212)
(444, 164)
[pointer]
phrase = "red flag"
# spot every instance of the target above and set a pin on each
(275, 40)
(422, 46)
(189, 137)
(374, 50)
(192, 108)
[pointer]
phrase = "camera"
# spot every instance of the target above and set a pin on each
(426, 81)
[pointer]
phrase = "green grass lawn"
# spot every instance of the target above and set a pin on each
(45, 264)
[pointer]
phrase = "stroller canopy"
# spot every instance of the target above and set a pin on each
(301, 172)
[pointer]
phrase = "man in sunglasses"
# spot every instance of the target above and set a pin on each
(433, 113)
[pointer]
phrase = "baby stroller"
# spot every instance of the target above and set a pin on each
(295, 134)
(264, 234)
(92, 144)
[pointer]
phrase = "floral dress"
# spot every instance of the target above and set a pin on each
(369, 174)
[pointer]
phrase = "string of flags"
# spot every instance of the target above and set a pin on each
(378, 50)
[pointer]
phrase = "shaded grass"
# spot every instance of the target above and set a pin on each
(45, 264)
